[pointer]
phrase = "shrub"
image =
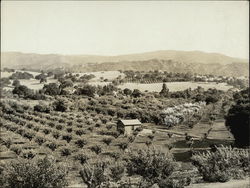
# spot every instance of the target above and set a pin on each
(109, 126)
(80, 143)
(17, 149)
(123, 145)
(107, 141)
(131, 139)
(174, 182)
(40, 140)
(52, 146)
(46, 131)
(223, 164)
(36, 129)
(65, 151)
(28, 154)
(93, 175)
(69, 130)
(80, 132)
(153, 165)
(35, 173)
(51, 124)
(117, 171)
(29, 125)
(82, 158)
(97, 149)
(7, 142)
(67, 137)
(29, 135)
(114, 155)
(42, 108)
(56, 134)
(59, 127)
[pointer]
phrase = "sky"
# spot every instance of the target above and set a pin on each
(124, 27)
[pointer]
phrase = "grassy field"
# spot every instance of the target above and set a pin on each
(174, 86)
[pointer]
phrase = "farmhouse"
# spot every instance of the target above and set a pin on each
(128, 126)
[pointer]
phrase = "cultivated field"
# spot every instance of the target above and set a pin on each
(175, 86)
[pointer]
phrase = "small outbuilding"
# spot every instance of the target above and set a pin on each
(128, 126)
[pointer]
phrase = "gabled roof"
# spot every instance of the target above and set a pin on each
(130, 122)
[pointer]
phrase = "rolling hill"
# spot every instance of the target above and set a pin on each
(170, 60)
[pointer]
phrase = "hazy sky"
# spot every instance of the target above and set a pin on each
(112, 28)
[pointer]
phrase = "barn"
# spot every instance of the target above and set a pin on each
(128, 126)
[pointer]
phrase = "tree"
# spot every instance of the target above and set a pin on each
(51, 89)
(43, 80)
(22, 90)
(87, 90)
(60, 105)
(34, 173)
(66, 83)
(153, 165)
(4, 82)
(127, 91)
(165, 91)
(16, 83)
(237, 120)
(136, 93)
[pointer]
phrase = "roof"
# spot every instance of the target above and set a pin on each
(130, 122)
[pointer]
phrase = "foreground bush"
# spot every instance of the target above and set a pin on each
(35, 173)
(223, 164)
(93, 175)
(153, 165)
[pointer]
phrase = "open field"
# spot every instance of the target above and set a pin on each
(174, 86)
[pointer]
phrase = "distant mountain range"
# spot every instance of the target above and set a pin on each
(169, 60)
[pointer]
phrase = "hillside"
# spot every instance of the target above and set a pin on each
(174, 61)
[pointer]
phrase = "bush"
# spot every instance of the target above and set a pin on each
(42, 108)
(153, 165)
(59, 127)
(65, 151)
(80, 143)
(223, 164)
(56, 134)
(52, 146)
(67, 137)
(117, 171)
(97, 149)
(28, 154)
(80, 132)
(35, 173)
(82, 158)
(93, 175)
(107, 141)
(17, 149)
(40, 140)
(174, 182)
(123, 145)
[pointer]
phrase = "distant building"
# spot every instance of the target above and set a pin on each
(128, 126)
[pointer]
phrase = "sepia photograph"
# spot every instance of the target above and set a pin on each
(124, 94)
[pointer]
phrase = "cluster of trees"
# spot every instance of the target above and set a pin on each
(155, 76)
(238, 83)
(21, 75)
(183, 113)
(211, 95)
(237, 119)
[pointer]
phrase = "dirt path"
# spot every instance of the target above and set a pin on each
(231, 184)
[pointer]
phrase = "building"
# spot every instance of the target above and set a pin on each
(128, 126)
